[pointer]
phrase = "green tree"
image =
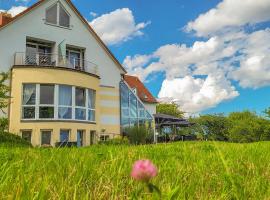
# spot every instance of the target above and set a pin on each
(4, 91)
(170, 109)
(248, 127)
(267, 112)
(215, 126)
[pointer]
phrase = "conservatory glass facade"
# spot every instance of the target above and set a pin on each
(133, 112)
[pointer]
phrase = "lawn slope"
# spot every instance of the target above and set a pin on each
(189, 170)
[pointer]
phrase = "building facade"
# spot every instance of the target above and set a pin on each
(65, 83)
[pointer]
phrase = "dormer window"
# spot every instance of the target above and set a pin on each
(57, 15)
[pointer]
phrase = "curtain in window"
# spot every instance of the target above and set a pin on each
(29, 94)
(65, 99)
(65, 95)
(91, 98)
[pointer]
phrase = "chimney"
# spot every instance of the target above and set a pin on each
(5, 18)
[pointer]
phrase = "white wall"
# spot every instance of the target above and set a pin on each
(13, 39)
(151, 107)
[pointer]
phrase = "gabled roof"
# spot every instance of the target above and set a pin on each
(102, 44)
(142, 92)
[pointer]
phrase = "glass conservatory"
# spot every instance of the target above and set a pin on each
(133, 112)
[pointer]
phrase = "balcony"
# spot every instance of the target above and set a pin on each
(54, 60)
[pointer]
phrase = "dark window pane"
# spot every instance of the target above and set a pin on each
(80, 97)
(64, 113)
(80, 114)
(47, 94)
(64, 135)
(29, 94)
(28, 113)
(26, 135)
(46, 112)
(46, 137)
(91, 115)
(51, 14)
(63, 17)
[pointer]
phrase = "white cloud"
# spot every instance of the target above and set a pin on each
(14, 10)
(230, 13)
(239, 56)
(179, 60)
(254, 70)
(197, 94)
(93, 14)
(118, 26)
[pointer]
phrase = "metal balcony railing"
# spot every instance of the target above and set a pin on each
(54, 60)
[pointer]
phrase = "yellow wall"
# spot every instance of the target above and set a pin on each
(112, 96)
(22, 75)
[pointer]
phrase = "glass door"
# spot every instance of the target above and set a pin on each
(80, 138)
(31, 54)
(44, 55)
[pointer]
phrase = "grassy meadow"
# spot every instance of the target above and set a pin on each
(187, 170)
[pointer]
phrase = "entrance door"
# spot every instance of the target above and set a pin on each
(80, 138)
(92, 137)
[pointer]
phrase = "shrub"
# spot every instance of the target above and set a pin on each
(8, 139)
(3, 124)
(115, 141)
(139, 135)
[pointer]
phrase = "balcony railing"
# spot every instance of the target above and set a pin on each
(54, 60)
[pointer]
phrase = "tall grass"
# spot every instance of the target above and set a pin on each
(189, 170)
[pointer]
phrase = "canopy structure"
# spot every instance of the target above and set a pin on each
(164, 121)
(168, 120)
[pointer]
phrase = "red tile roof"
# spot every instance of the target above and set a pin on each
(83, 20)
(142, 92)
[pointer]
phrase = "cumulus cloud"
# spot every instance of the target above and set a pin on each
(230, 13)
(254, 70)
(118, 26)
(179, 60)
(197, 94)
(202, 75)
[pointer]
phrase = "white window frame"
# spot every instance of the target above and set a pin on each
(48, 130)
(46, 105)
(56, 104)
(58, 16)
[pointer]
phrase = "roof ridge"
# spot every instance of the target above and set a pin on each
(99, 40)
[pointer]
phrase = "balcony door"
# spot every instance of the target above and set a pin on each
(38, 54)
(75, 58)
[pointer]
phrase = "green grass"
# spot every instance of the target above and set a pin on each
(190, 170)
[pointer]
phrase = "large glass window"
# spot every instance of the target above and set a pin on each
(65, 102)
(58, 102)
(80, 99)
(133, 112)
(46, 137)
(57, 15)
(46, 105)
(29, 101)
(91, 104)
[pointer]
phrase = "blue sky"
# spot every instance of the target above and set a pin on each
(218, 62)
